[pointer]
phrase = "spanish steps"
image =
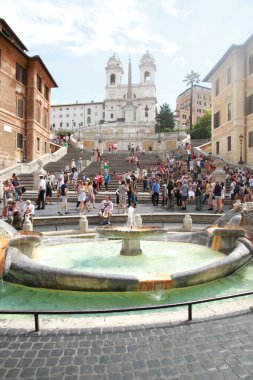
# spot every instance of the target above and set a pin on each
(117, 164)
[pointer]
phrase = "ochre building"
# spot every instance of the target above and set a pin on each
(201, 102)
(25, 86)
(232, 99)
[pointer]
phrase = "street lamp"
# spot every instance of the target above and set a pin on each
(241, 140)
(159, 135)
(73, 125)
(24, 148)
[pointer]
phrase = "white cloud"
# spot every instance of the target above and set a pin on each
(83, 26)
(170, 8)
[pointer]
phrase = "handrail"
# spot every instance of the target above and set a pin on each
(189, 304)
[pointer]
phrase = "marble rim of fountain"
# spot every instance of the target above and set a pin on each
(23, 270)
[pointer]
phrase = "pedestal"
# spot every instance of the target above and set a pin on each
(131, 247)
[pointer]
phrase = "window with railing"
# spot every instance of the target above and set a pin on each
(20, 73)
(20, 108)
(229, 143)
(216, 119)
(251, 139)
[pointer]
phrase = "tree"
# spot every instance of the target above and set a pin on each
(165, 118)
(191, 78)
(202, 129)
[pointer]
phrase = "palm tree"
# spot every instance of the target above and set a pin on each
(191, 78)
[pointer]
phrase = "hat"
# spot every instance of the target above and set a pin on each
(41, 175)
(9, 200)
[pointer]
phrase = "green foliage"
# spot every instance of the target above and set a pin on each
(165, 118)
(191, 78)
(202, 129)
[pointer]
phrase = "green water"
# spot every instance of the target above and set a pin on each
(18, 297)
(158, 257)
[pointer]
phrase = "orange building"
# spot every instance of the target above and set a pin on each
(25, 86)
(201, 102)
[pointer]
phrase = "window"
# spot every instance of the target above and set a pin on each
(60, 115)
(229, 143)
(38, 144)
(45, 121)
(251, 139)
(111, 115)
(229, 111)
(67, 109)
(216, 119)
(217, 87)
(60, 109)
(45, 147)
(39, 83)
(229, 76)
(112, 79)
(88, 119)
(146, 76)
(46, 92)
(250, 64)
(67, 115)
(20, 139)
(249, 105)
(38, 114)
(20, 73)
(103, 115)
(217, 147)
(20, 108)
(88, 111)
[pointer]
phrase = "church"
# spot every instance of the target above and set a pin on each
(128, 111)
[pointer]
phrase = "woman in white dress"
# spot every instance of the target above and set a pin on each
(81, 197)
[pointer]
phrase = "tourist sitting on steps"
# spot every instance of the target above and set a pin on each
(105, 210)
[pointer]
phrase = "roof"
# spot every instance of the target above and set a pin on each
(17, 44)
(228, 52)
(9, 30)
(37, 57)
(194, 86)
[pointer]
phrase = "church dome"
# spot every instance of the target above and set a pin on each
(147, 58)
(114, 61)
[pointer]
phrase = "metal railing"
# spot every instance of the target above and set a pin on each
(189, 304)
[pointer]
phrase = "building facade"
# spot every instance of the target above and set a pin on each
(201, 102)
(128, 110)
(24, 101)
(232, 97)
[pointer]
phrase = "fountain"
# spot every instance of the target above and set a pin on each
(230, 242)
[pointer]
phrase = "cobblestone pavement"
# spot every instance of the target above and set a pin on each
(220, 348)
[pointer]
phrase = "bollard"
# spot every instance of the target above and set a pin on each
(27, 225)
(187, 223)
(138, 220)
(83, 224)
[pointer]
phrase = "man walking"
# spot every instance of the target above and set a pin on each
(155, 191)
(41, 194)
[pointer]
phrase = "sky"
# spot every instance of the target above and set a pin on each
(75, 39)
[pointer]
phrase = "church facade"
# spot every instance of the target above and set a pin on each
(128, 112)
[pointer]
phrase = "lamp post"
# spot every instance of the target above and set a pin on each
(24, 148)
(159, 133)
(73, 124)
(241, 140)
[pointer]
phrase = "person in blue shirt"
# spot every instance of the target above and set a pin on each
(155, 191)
(106, 180)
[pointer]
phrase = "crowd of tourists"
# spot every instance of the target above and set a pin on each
(181, 177)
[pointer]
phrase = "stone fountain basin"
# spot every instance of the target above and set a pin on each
(22, 269)
(127, 233)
